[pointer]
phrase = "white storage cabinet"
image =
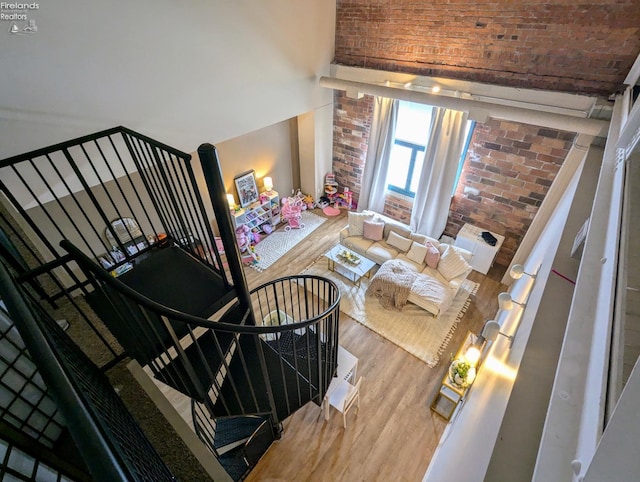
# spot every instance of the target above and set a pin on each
(470, 238)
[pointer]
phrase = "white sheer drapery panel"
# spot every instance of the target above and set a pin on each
(441, 159)
(381, 138)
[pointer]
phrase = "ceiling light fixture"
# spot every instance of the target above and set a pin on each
(435, 89)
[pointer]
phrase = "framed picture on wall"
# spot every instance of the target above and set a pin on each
(247, 188)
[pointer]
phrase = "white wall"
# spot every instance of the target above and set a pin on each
(472, 434)
(315, 131)
(269, 152)
(182, 72)
(575, 416)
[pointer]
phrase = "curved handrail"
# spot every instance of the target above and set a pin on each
(86, 263)
(289, 362)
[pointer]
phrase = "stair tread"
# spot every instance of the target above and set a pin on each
(283, 380)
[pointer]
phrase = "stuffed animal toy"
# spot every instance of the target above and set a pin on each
(323, 202)
(308, 201)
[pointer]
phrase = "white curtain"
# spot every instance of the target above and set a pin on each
(381, 138)
(441, 160)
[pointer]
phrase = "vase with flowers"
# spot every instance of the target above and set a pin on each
(461, 373)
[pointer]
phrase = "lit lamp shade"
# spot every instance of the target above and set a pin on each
(268, 183)
(231, 201)
(472, 355)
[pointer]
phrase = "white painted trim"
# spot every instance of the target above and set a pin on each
(634, 74)
(630, 132)
(616, 457)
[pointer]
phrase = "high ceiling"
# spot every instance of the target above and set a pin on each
(579, 47)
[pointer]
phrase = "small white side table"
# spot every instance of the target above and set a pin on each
(470, 238)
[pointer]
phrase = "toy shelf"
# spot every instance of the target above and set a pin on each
(259, 213)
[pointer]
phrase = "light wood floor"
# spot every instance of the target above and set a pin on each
(395, 434)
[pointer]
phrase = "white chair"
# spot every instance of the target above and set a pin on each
(343, 396)
(347, 365)
(346, 370)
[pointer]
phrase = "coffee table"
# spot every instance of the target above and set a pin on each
(353, 271)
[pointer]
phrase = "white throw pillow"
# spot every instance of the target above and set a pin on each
(417, 252)
(465, 253)
(451, 264)
(424, 239)
(400, 242)
(356, 223)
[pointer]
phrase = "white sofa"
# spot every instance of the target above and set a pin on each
(406, 245)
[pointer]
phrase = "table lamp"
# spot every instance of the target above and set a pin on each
(231, 201)
(268, 184)
(472, 355)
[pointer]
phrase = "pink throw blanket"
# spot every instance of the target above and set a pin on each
(392, 284)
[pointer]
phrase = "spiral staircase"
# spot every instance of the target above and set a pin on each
(247, 359)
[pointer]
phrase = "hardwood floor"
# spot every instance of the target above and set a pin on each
(395, 434)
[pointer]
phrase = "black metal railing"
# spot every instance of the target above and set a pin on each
(26, 401)
(111, 443)
(274, 367)
(140, 267)
(75, 190)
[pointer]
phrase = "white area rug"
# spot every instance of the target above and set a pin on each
(278, 243)
(412, 329)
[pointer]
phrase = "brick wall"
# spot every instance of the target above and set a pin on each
(351, 127)
(512, 165)
(585, 47)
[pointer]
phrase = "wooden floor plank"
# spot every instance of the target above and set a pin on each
(394, 435)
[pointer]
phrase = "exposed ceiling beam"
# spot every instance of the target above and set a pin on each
(477, 109)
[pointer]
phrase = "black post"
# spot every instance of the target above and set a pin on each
(213, 176)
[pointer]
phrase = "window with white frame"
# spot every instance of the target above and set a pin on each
(407, 153)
